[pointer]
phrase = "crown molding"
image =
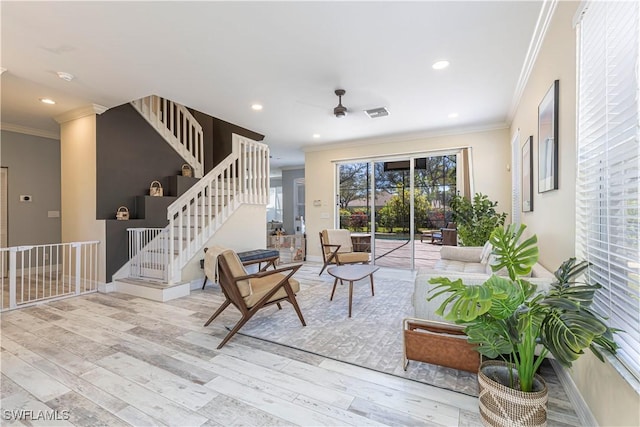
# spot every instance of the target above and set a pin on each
(405, 137)
(539, 33)
(87, 110)
(29, 131)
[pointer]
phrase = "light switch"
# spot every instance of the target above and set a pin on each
(324, 215)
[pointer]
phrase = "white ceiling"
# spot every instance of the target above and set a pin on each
(221, 57)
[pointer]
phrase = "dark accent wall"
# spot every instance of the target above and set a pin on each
(217, 136)
(130, 154)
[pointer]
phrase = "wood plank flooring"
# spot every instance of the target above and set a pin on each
(115, 360)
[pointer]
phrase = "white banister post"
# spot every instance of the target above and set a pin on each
(78, 260)
(12, 277)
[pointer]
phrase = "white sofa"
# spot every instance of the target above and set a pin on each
(473, 266)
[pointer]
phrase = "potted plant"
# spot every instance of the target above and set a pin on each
(475, 220)
(507, 317)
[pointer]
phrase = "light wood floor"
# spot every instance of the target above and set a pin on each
(114, 359)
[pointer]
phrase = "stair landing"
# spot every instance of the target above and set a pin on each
(152, 290)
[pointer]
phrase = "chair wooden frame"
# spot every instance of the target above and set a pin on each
(229, 285)
(334, 256)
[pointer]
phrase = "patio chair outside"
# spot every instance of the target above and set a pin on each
(251, 292)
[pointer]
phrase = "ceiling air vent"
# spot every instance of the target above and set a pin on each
(374, 113)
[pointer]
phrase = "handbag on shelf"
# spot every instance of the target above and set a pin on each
(187, 170)
(122, 214)
(155, 189)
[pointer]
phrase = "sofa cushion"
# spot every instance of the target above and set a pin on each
(486, 251)
(461, 253)
(453, 266)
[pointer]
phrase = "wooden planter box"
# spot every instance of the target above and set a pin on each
(439, 344)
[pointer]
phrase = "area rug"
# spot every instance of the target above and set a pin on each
(371, 338)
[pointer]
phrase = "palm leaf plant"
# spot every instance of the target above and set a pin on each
(508, 318)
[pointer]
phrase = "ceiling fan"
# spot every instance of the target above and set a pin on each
(340, 111)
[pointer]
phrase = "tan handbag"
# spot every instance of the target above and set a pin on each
(122, 214)
(187, 170)
(155, 189)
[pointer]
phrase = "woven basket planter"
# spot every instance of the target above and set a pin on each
(501, 406)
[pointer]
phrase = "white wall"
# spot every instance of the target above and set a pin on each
(610, 398)
(78, 186)
(490, 156)
(245, 229)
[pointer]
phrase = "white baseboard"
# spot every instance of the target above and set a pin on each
(106, 287)
(577, 401)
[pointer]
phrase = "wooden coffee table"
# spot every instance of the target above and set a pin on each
(352, 273)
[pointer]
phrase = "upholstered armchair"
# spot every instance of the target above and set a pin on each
(337, 248)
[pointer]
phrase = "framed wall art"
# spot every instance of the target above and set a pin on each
(527, 175)
(548, 140)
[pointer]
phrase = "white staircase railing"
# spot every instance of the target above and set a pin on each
(243, 177)
(31, 274)
(177, 126)
(148, 253)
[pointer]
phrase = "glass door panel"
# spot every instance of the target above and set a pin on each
(392, 214)
(434, 187)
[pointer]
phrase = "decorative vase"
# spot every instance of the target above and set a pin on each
(502, 406)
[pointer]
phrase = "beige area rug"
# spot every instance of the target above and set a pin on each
(371, 338)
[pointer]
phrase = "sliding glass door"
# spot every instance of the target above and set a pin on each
(391, 204)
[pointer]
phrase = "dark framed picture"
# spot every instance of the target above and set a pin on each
(527, 175)
(548, 140)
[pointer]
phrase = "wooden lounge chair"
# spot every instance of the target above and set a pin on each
(337, 248)
(251, 292)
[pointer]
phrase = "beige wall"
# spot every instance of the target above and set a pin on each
(78, 185)
(490, 157)
(246, 229)
(610, 398)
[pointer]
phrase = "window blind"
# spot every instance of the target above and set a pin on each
(608, 161)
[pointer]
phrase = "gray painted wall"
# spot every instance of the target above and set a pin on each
(33, 169)
(288, 178)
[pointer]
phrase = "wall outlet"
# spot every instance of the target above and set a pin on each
(25, 198)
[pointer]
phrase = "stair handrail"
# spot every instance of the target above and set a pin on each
(175, 123)
(242, 177)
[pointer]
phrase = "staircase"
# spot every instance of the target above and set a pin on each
(178, 127)
(158, 256)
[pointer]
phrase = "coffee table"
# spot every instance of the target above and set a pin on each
(352, 273)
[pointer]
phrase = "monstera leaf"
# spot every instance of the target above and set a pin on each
(490, 337)
(516, 257)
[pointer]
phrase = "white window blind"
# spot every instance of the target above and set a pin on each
(608, 160)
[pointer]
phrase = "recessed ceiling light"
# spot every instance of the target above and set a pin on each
(440, 65)
(47, 101)
(453, 115)
(316, 135)
(256, 107)
(65, 76)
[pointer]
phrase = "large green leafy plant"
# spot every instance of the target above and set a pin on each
(507, 318)
(475, 220)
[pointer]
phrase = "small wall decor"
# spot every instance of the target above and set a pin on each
(548, 140)
(155, 189)
(187, 170)
(122, 214)
(527, 175)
